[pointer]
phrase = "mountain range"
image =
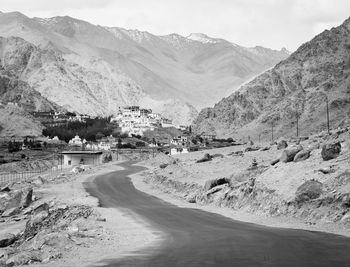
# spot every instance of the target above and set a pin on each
(71, 64)
(295, 92)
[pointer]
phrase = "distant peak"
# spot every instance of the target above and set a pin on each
(284, 50)
(201, 37)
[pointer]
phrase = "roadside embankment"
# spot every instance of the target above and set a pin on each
(305, 184)
(52, 221)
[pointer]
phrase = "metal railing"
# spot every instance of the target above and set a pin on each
(13, 177)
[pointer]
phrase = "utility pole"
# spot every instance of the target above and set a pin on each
(327, 114)
(272, 131)
(297, 124)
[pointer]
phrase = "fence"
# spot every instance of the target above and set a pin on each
(13, 177)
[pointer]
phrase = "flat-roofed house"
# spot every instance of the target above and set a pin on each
(76, 158)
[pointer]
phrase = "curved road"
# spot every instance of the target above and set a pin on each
(199, 238)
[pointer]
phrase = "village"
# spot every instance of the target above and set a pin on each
(72, 140)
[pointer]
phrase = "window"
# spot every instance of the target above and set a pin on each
(69, 162)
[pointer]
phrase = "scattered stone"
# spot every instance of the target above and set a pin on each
(26, 197)
(23, 257)
(11, 211)
(331, 150)
(309, 190)
(274, 162)
(163, 166)
(327, 170)
(289, 154)
(282, 145)
(215, 182)
(217, 156)
(38, 181)
(77, 169)
(101, 219)
(5, 188)
(205, 158)
(41, 206)
(265, 148)
(7, 239)
(302, 155)
(253, 148)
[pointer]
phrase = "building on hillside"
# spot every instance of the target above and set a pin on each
(209, 137)
(76, 141)
(179, 141)
(178, 150)
(76, 158)
(166, 123)
(104, 146)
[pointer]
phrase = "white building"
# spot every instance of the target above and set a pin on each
(175, 151)
(77, 141)
(76, 158)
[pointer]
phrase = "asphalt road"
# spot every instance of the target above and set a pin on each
(198, 238)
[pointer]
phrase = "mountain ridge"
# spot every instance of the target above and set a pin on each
(297, 86)
(102, 68)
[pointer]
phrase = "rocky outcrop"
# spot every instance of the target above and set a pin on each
(299, 86)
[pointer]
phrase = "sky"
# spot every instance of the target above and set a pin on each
(270, 23)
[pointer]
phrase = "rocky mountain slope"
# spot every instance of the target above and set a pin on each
(298, 86)
(102, 68)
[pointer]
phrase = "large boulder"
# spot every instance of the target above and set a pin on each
(282, 144)
(302, 155)
(215, 182)
(309, 190)
(289, 154)
(7, 239)
(331, 150)
(19, 198)
(205, 158)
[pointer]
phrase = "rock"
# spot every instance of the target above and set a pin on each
(215, 182)
(289, 154)
(265, 148)
(23, 257)
(19, 198)
(27, 211)
(346, 218)
(330, 150)
(191, 198)
(205, 158)
(163, 166)
(26, 197)
(215, 189)
(5, 188)
(101, 219)
(282, 144)
(274, 162)
(327, 170)
(7, 239)
(11, 211)
(3, 255)
(253, 148)
(302, 155)
(309, 190)
(41, 206)
(38, 181)
(77, 170)
(38, 218)
(217, 156)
